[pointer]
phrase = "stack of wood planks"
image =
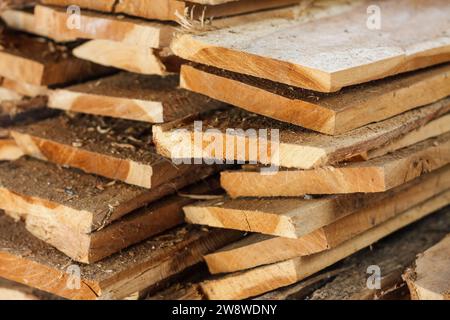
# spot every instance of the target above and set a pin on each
(268, 139)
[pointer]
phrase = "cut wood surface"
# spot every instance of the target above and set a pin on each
(329, 53)
(263, 279)
(261, 249)
(137, 226)
(9, 150)
(23, 111)
(24, 88)
(128, 57)
(429, 278)
(9, 95)
(327, 113)
(94, 25)
(134, 97)
(77, 200)
(10, 290)
(25, 259)
(33, 60)
(281, 144)
(375, 175)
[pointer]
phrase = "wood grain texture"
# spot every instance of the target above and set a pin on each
(327, 113)
(261, 249)
(24, 88)
(254, 282)
(294, 147)
(25, 259)
(375, 175)
(129, 96)
(429, 278)
(329, 53)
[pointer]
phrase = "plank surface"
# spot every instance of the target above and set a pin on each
(327, 113)
(375, 175)
(9, 150)
(80, 201)
(24, 88)
(328, 54)
(23, 111)
(254, 282)
(25, 259)
(261, 249)
(280, 144)
(134, 97)
(429, 278)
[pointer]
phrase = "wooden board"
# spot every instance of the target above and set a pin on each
(328, 54)
(25, 259)
(24, 111)
(134, 97)
(10, 290)
(261, 249)
(429, 278)
(375, 175)
(100, 26)
(327, 113)
(24, 88)
(9, 150)
(294, 147)
(38, 62)
(9, 95)
(77, 200)
(137, 226)
(254, 282)
(128, 57)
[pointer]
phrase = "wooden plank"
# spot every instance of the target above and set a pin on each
(134, 97)
(327, 113)
(375, 175)
(24, 88)
(39, 62)
(150, 220)
(263, 279)
(23, 111)
(9, 95)
(429, 278)
(9, 150)
(78, 200)
(315, 63)
(25, 259)
(100, 26)
(281, 144)
(261, 249)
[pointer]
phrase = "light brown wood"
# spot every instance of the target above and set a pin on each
(100, 26)
(9, 150)
(13, 112)
(25, 259)
(429, 278)
(375, 175)
(129, 96)
(261, 249)
(331, 114)
(24, 88)
(295, 148)
(263, 279)
(311, 61)
(9, 95)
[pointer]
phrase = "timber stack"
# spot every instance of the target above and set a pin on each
(272, 141)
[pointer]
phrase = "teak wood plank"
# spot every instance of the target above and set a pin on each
(77, 200)
(261, 249)
(40, 62)
(429, 278)
(113, 148)
(282, 144)
(129, 96)
(333, 114)
(375, 175)
(329, 54)
(254, 282)
(25, 259)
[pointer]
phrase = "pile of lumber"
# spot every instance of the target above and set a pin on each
(269, 140)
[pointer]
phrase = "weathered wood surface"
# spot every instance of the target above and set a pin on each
(327, 113)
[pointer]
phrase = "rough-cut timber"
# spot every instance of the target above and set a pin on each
(98, 26)
(9, 95)
(429, 278)
(327, 113)
(113, 148)
(24, 88)
(281, 144)
(375, 175)
(137, 226)
(328, 54)
(25, 259)
(27, 109)
(10, 290)
(79, 201)
(41, 62)
(134, 97)
(263, 279)
(261, 249)
(9, 150)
